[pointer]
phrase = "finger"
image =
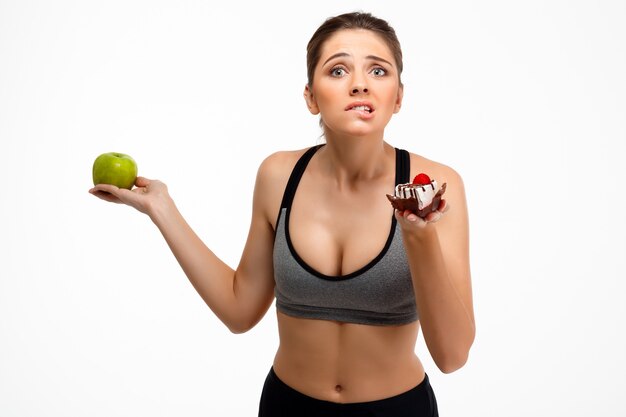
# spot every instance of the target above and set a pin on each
(443, 206)
(407, 215)
(107, 188)
(401, 214)
(410, 216)
(114, 194)
(142, 182)
(103, 195)
(433, 217)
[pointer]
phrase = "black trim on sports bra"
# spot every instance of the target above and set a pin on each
(402, 175)
(403, 166)
(294, 178)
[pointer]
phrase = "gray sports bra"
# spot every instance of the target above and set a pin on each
(380, 293)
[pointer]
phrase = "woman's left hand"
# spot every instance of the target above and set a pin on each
(408, 219)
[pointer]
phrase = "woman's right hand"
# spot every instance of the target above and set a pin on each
(145, 196)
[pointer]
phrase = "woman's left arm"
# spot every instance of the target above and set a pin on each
(438, 251)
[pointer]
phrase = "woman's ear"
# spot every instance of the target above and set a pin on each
(399, 99)
(310, 100)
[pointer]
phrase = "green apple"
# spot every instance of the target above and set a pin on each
(115, 168)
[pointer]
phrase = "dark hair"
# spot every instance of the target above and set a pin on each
(356, 20)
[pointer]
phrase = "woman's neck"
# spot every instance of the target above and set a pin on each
(351, 161)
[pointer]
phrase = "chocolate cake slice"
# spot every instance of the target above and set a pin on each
(420, 197)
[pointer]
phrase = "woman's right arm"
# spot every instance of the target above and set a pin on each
(241, 297)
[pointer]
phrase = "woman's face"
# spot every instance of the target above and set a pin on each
(356, 86)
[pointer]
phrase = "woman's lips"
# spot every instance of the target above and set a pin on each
(364, 114)
(363, 109)
(360, 105)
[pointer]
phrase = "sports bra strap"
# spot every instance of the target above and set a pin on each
(403, 166)
(295, 176)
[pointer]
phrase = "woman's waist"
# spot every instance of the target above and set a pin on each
(347, 363)
(350, 379)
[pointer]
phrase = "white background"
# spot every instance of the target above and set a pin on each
(527, 100)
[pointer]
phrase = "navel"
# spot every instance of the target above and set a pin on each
(338, 388)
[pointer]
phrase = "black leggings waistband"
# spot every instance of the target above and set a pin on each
(280, 400)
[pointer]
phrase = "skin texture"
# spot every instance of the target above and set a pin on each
(340, 220)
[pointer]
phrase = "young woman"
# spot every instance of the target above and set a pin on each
(353, 280)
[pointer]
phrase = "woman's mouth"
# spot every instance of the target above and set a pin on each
(364, 109)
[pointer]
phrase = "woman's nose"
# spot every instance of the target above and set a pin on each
(359, 89)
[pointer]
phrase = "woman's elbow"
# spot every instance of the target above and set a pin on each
(453, 359)
(237, 328)
(242, 324)
(451, 363)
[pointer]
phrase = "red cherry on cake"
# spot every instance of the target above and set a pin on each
(421, 179)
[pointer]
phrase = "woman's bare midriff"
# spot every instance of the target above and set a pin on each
(347, 363)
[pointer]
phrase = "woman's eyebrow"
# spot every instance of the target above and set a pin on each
(344, 54)
(377, 58)
(337, 55)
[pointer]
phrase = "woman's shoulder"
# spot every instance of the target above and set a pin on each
(272, 177)
(434, 169)
(278, 165)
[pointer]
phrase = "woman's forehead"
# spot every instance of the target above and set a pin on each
(356, 42)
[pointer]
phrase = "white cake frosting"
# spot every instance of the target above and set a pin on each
(424, 194)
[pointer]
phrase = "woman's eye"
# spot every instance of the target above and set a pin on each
(337, 72)
(379, 72)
